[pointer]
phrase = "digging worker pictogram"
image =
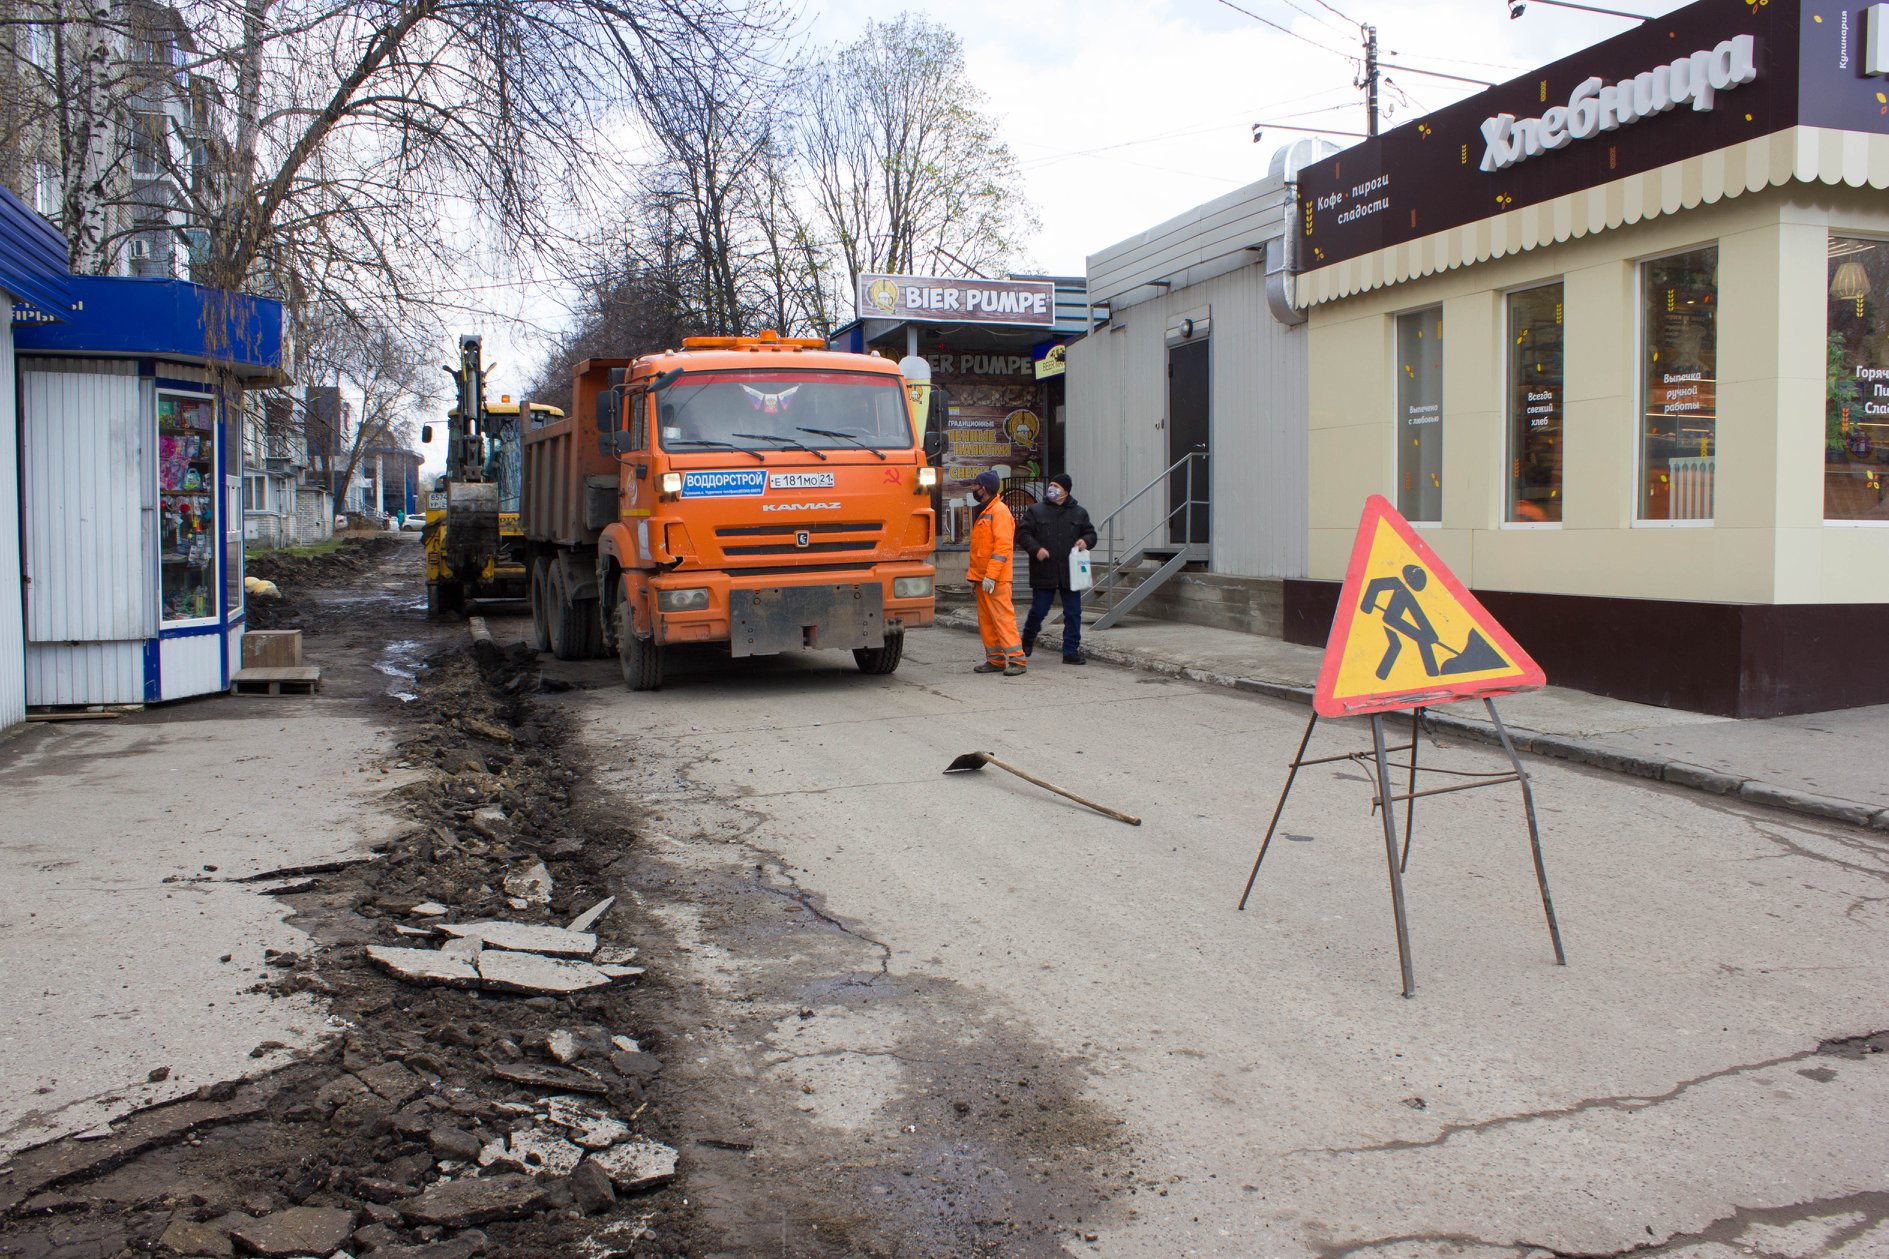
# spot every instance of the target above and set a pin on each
(1404, 617)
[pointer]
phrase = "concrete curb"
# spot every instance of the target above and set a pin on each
(1561, 747)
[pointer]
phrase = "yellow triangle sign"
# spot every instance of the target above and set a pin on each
(1408, 634)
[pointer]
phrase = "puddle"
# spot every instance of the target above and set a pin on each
(401, 662)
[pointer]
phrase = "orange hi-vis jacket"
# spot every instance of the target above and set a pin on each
(993, 539)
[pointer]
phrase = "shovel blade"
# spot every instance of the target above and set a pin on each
(968, 762)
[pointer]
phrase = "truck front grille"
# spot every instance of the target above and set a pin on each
(779, 539)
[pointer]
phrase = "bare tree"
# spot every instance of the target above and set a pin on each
(381, 375)
(360, 146)
(905, 168)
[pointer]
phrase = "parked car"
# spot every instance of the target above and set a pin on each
(414, 523)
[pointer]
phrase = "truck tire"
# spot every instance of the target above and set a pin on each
(540, 632)
(562, 626)
(641, 657)
(881, 660)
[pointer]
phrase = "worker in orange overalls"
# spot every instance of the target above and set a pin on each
(993, 538)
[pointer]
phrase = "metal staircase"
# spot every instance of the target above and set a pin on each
(1116, 591)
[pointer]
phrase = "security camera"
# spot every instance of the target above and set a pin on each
(1515, 9)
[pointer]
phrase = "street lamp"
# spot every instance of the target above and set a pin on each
(1516, 8)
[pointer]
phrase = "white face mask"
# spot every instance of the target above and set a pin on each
(1054, 493)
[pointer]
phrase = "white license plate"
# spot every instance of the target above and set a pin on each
(800, 480)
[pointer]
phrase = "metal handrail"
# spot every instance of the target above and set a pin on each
(1108, 528)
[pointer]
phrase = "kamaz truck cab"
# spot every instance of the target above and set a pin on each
(761, 494)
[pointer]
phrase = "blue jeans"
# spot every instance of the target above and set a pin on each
(1040, 601)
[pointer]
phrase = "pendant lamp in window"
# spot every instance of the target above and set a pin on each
(1850, 283)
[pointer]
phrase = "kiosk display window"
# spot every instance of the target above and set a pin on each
(187, 523)
(1535, 401)
(1679, 386)
(1856, 381)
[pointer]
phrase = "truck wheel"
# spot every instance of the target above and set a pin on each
(540, 633)
(884, 659)
(641, 657)
(565, 630)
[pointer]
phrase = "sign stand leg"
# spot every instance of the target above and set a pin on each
(1298, 759)
(1410, 805)
(1390, 853)
(1534, 832)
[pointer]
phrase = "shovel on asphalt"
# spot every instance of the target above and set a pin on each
(971, 762)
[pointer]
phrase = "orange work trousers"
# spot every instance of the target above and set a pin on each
(997, 621)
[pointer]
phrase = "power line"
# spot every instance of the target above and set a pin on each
(1286, 30)
(1341, 17)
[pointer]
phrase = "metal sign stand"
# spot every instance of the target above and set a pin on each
(1385, 798)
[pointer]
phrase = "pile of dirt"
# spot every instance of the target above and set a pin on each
(297, 575)
(443, 1122)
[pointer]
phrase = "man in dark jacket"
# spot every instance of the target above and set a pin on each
(1048, 532)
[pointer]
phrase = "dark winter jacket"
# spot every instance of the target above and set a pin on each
(1054, 526)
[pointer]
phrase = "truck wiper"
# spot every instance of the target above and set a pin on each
(699, 441)
(845, 437)
(788, 442)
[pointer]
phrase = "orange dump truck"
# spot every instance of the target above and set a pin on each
(764, 494)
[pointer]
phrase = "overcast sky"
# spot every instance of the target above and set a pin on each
(1123, 113)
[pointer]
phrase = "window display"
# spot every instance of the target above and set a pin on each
(1420, 415)
(1535, 405)
(187, 524)
(1856, 393)
(1679, 386)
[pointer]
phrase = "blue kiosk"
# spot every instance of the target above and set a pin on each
(131, 473)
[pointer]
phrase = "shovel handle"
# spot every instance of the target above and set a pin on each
(1068, 795)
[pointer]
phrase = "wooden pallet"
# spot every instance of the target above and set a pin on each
(288, 680)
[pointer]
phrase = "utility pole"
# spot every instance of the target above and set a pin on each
(1369, 81)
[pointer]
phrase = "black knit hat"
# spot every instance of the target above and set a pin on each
(989, 481)
(1063, 479)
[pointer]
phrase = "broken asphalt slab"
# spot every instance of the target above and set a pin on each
(296, 1231)
(525, 937)
(476, 1200)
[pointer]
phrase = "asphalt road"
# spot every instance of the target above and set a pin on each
(1233, 1084)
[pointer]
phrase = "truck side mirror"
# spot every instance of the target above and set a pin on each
(934, 444)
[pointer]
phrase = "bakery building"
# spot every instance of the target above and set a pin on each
(1614, 335)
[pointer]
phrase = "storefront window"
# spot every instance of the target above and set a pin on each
(187, 482)
(1679, 386)
(1856, 396)
(1535, 404)
(1420, 415)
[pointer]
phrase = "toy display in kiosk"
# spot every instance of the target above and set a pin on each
(186, 481)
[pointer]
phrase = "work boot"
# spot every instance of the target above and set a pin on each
(989, 667)
(1075, 657)
(1016, 668)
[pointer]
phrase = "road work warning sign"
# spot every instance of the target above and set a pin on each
(1407, 633)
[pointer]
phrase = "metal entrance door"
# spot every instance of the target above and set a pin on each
(1188, 506)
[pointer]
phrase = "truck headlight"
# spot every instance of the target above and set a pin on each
(927, 477)
(672, 483)
(694, 599)
(911, 587)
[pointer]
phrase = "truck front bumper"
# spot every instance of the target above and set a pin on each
(768, 613)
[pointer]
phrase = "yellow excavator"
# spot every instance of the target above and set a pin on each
(475, 548)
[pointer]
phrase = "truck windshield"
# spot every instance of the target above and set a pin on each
(785, 408)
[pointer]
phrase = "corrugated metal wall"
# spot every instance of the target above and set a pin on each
(1258, 398)
(88, 502)
(85, 673)
(12, 639)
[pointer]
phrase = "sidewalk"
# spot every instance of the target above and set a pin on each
(1832, 765)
